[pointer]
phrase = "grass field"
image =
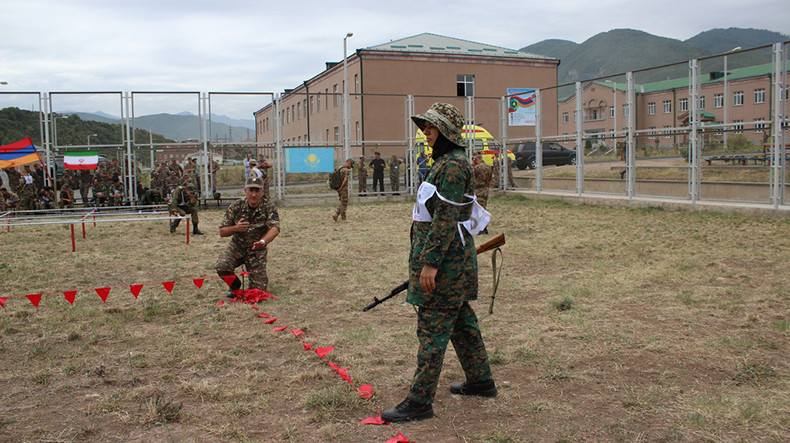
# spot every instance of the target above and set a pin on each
(609, 325)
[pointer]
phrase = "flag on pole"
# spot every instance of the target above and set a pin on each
(18, 154)
(81, 160)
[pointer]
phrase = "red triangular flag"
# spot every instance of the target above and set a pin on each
(2, 301)
(70, 295)
(365, 391)
(198, 282)
(323, 351)
(168, 285)
(254, 307)
(270, 321)
(135, 289)
(34, 298)
(264, 315)
(281, 328)
(297, 332)
(400, 438)
(229, 279)
(373, 421)
(245, 273)
(307, 347)
(103, 293)
(220, 303)
(341, 371)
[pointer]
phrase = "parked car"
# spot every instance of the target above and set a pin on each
(553, 154)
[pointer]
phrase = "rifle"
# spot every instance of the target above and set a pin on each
(492, 244)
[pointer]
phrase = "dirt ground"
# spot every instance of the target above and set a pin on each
(609, 325)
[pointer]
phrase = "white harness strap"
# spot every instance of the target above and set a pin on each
(478, 220)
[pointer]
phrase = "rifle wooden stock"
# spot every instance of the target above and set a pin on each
(492, 244)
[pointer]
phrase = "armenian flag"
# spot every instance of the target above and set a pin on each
(81, 160)
(18, 154)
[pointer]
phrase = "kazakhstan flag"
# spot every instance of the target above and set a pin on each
(309, 159)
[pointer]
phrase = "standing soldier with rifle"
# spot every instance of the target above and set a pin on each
(443, 269)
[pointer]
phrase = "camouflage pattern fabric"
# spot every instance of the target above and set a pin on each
(261, 218)
(27, 197)
(483, 176)
(362, 176)
(395, 174)
(435, 327)
(115, 195)
(95, 190)
(446, 118)
(342, 194)
(444, 314)
(182, 205)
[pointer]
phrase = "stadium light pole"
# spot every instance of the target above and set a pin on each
(726, 97)
(346, 147)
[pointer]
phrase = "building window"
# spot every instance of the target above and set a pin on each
(312, 105)
(356, 85)
(737, 98)
(738, 126)
(683, 105)
(611, 111)
(718, 100)
(651, 108)
(759, 96)
(667, 106)
(667, 131)
(702, 102)
(759, 125)
(337, 133)
(356, 130)
(574, 116)
(625, 110)
(299, 110)
(318, 103)
(465, 85)
(651, 132)
(565, 117)
(334, 95)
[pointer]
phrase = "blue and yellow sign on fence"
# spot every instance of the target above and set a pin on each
(309, 159)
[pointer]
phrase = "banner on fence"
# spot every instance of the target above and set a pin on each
(309, 159)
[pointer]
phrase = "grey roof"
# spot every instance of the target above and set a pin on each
(439, 44)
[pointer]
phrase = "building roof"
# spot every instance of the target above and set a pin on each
(439, 44)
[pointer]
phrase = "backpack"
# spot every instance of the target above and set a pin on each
(335, 179)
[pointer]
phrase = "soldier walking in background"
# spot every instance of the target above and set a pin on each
(483, 176)
(185, 202)
(362, 175)
(342, 191)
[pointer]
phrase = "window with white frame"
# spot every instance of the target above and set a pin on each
(759, 125)
(759, 95)
(683, 105)
(356, 85)
(611, 112)
(318, 103)
(625, 110)
(326, 102)
(337, 133)
(702, 102)
(737, 98)
(651, 132)
(667, 106)
(465, 85)
(312, 104)
(565, 117)
(718, 100)
(575, 116)
(737, 126)
(299, 111)
(334, 95)
(651, 108)
(667, 131)
(357, 130)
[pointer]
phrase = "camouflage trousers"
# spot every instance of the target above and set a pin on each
(482, 196)
(342, 194)
(84, 192)
(184, 210)
(435, 328)
(363, 184)
(234, 256)
(395, 182)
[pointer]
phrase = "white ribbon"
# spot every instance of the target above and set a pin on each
(478, 220)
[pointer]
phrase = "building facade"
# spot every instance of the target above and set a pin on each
(427, 66)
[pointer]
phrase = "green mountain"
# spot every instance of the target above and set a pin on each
(622, 50)
(181, 127)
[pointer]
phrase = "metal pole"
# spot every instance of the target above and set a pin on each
(694, 142)
(346, 113)
(538, 141)
(278, 143)
(726, 105)
(579, 141)
(132, 193)
(778, 162)
(205, 121)
(630, 165)
(43, 112)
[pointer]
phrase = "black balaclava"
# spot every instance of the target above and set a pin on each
(442, 146)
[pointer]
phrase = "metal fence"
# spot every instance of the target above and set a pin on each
(699, 130)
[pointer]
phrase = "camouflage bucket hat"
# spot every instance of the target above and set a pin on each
(447, 119)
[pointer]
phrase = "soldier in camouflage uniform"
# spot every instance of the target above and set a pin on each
(116, 193)
(443, 271)
(483, 175)
(253, 223)
(99, 193)
(183, 202)
(27, 192)
(362, 175)
(85, 179)
(342, 191)
(394, 165)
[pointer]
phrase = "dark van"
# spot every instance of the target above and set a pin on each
(553, 154)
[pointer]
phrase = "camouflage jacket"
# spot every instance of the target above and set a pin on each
(438, 243)
(362, 170)
(483, 175)
(261, 219)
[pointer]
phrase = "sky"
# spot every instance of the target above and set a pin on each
(268, 46)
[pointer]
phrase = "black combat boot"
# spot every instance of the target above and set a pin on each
(195, 230)
(235, 286)
(173, 226)
(479, 388)
(407, 410)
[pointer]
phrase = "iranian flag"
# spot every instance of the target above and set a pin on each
(81, 160)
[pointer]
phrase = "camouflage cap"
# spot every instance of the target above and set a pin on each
(191, 188)
(446, 118)
(255, 182)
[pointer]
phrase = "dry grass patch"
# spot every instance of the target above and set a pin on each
(609, 325)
